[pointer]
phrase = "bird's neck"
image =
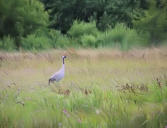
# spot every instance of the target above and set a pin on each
(63, 67)
(63, 61)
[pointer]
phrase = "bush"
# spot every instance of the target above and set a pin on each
(154, 22)
(7, 43)
(58, 40)
(123, 37)
(33, 42)
(62, 42)
(87, 35)
(88, 41)
(44, 39)
(79, 29)
(84, 34)
(21, 18)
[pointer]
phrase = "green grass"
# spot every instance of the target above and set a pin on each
(99, 90)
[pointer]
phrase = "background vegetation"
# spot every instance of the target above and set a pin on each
(45, 24)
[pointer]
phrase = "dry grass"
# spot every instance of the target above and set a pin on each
(86, 66)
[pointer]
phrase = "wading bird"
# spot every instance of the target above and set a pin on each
(58, 75)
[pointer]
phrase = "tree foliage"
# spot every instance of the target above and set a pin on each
(105, 12)
(21, 17)
(41, 24)
(154, 21)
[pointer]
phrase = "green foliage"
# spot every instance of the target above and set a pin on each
(84, 23)
(105, 12)
(7, 43)
(44, 39)
(84, 34)
(117, 11)
(154, 22)
(88, 41)
(63, 42)
(35, 42)
(21, 17)
(58, 39)
(87, 35)
(123, 37)
(79, 29)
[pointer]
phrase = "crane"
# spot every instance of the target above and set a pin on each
(59, 74)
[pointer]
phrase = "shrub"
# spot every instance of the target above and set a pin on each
(58, 40)
(7, 43)
(21, 18)
(123, 37)
(87, 35)
(88, 41)
(83, 34)
(44, 39)
(154, 22)
(62, 42)
(79, 29)
(50, 34)
(35, 42)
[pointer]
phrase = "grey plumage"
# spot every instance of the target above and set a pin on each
(59, 74)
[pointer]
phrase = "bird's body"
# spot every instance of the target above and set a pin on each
(59, 74)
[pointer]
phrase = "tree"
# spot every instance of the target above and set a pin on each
(154, 21)
(106, 13)
(21, 17)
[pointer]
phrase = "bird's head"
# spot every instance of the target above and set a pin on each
(64, 57)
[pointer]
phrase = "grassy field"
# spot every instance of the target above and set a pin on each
(103, 88)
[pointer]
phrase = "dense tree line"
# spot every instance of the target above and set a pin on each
(40, 24)
(105, 12)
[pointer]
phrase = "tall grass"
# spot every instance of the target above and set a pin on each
(99, 89)
(96, 108)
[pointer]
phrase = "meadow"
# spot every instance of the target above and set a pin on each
(102, 88)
